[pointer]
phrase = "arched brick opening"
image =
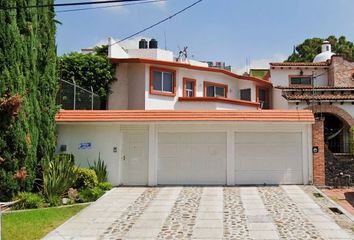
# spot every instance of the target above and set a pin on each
(326, 166)
(340, 113)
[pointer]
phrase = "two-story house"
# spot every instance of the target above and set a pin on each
(152, 78)
(326, 86)
(179, 121)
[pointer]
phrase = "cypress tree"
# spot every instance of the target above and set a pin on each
(27, 70)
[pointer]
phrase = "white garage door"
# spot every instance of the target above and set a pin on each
(271, 158)
(192, 158)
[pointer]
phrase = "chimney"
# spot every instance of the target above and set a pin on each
(326, 46)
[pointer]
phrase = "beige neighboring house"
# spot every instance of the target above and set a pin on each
(326, 86)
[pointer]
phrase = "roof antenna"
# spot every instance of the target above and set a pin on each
(183, 54)
(164, 33)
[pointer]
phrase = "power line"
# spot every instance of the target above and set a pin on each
(158, 23)
(111, 6)
(68, 4)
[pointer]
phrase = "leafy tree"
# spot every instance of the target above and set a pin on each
(89, 70)
(306, 51)
(27, 81)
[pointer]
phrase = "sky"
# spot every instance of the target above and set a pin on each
(214, 30)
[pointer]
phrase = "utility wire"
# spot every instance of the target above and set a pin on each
(111, 6)
(158, 23)
(68, 4)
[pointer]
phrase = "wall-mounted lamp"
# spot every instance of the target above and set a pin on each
(301, 72)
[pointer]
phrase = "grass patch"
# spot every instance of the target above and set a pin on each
(35, 224)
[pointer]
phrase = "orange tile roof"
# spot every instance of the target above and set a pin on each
(349, 97)
(189, 66)
(184, 115)
(295, 64)
(301, 87)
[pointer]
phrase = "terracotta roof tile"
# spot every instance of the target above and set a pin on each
(299, 87)
(291, 64)
(182, 115)
(319, 97)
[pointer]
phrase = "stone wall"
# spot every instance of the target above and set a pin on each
(319, 157)
(340, 72)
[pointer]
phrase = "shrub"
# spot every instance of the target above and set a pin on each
(105, 186)
(100, 168)
(28, 200)
(91, 194)
(58, 176)
(86, 178)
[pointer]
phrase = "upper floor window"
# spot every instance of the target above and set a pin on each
(162, 81)
(245, 94)
(300, 80)
(215, 89)
(189, 87)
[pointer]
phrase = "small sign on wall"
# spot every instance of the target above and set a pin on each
(85, 145)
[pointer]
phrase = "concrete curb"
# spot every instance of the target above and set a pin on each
(345, 212)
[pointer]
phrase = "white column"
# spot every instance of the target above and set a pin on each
(152, 169)
(309, 155)
(230, 164)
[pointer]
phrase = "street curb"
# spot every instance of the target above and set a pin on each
(344, 211)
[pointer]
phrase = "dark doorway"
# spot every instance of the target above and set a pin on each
(336, 133)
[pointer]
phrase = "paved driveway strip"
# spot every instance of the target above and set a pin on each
(327, 228)
(98, 217)
(284, 212)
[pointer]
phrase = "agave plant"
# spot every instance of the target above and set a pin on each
(100, 168)
(59, 175)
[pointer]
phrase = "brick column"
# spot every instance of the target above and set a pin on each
(319, 174)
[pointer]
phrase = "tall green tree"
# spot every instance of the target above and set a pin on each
(306, 51)
(27, 71)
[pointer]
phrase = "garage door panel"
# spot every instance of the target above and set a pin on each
(268, 157)
(192, 158)
(272, 138)
(267, 177)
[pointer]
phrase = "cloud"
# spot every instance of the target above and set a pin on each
(261, 63)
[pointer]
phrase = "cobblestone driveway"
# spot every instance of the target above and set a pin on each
(284, 212)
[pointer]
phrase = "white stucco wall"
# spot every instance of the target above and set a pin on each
(164, 102)
(136, 86)
(118, 98)
(150, 53)
(279, 102)
(348, 107)
(103, 137)
(280, 77)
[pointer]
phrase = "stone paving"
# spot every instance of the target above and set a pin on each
(235, 222)
(179, 223)
(284, 212)
(121, 226)
(291, 223)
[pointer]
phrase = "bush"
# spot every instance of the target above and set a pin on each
(58, 176)
(105, 186)
(100, 168)
(86, 178)
(29, 200)
(91, 194)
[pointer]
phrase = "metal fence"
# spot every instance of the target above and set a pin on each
(73, 97)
